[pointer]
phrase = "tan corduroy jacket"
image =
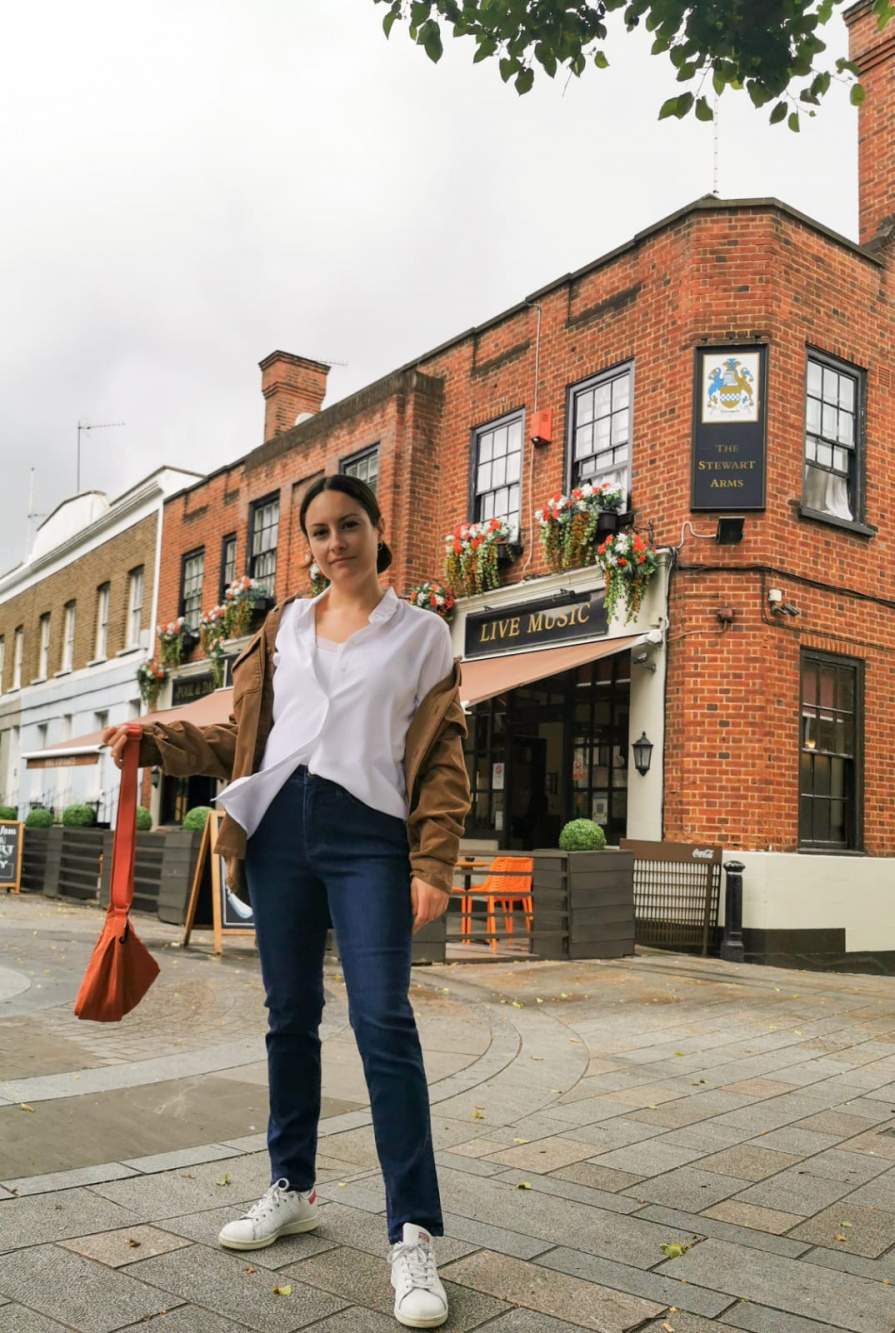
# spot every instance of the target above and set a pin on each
(434, 766)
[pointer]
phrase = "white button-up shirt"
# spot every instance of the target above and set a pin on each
(347, 718)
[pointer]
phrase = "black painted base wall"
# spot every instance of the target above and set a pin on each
(814, 950)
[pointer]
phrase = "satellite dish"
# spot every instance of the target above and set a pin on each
(303, 416)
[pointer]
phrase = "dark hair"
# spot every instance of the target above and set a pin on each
(358, 490)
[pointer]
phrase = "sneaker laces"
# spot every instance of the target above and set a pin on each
(420, 1263)
(270, 1199)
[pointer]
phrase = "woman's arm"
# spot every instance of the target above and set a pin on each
(440, 805)
(181, 749)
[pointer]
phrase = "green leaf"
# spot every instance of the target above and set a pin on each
(389, 22)
(778, 114)
(524, 79)
(600, 60)
(676, 106)
(508, 68)
(703, 110)
(856, 96)
(431, 38)
(793, 122)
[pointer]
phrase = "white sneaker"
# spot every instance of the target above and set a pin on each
(420, 1299)
(279, 1212)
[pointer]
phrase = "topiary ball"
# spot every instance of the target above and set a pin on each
(8, 812)
(78, 816)
(144, 819)
(196, 817)
(39, 819)
(582, 835)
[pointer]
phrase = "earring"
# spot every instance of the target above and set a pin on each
(380, 546)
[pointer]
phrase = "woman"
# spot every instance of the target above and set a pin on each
(346, 804)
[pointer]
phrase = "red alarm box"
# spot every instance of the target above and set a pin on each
(542, 426)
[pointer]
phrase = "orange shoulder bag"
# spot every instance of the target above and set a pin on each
(121, 969)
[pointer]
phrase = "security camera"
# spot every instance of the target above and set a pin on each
(787, 609)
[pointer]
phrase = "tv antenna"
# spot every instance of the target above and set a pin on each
(86, 425)
(31, 511)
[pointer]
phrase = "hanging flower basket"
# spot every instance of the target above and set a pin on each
(319, 582)
(243, 599)
(474, 552)
(433, 597)
(571, 525)
(217, 660)
(151, 676)
(213, 627)
(175, 639)
(628, 563)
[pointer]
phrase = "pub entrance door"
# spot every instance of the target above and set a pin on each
(551, 751)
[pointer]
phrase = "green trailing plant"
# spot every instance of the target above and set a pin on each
(773, 50)
(195, 818)
(8, 812)
(628, 563)
(582, 835)
(39, 819)
(568, 524)
(471, 555)
(78, 816)
(151, 676)
(144, 819)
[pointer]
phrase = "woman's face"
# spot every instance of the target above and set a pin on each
(343, 540)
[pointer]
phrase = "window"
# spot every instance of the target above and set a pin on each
(830, 750)
(497, 469)
(365, 466)
(600, 429)
(134, 607)
(228, 564)
(265, 528)
(18, 649)
(833, 413)
(68, 636)
(43, 664)
(191, 570)
(102, 621)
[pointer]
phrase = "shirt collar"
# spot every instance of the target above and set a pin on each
(383, 611)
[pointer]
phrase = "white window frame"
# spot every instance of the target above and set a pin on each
(102, 622)
(2, 659)
(17, 655)
(68, 636)
(134, 607)
(43, 660)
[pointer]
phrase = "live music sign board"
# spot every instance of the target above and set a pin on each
(729, 428)
(540, 624)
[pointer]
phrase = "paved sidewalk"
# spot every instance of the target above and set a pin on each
(660, 1142)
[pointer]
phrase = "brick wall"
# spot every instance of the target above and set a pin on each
(109, 563)
(873, 50)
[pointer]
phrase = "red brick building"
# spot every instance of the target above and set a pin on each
(762, 671)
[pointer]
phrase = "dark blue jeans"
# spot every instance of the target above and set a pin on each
(321, 855)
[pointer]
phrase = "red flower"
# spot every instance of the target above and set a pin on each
(622, 560)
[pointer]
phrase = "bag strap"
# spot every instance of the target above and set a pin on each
(124, 842)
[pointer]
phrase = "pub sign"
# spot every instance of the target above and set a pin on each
(729, 423)
(541, 624)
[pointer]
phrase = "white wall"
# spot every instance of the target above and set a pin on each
(786, 891)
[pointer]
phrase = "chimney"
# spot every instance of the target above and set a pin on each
(873, 51)
(291, 385)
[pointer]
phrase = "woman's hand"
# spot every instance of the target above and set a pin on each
(428, 903)
(116, 738)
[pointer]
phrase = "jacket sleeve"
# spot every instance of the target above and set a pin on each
(438, 814)
(183, 749)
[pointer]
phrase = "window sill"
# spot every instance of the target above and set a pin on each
(859, 529)
(38, 680)
(95, 661)
(124, 652)
(830, 851)
(13, 689)
(65, 671)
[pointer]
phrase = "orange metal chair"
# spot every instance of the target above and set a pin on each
(508, 882)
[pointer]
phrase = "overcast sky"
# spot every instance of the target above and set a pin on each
(190, 184)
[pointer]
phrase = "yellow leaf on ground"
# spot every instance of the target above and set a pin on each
(224, 1180)
(520, 1140)
(523, 1185)
(282, 1291)
(25, 1107)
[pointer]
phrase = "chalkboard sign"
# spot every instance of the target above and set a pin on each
(212, 904)
(11, 834)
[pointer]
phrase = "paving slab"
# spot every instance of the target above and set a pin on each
(116, 1248)
(66, 1180)
(748, 1162)
(528, 1321)
(651, 1158)
(570, 1189)
(585, 1303)
(636, 1282)
(878, 1270)
(543, 1155)
(796, 1142)
(844, 1301)
(16, 1319)
(173, 1193)
(364, 1279)
(749, 1215)
(802, 1192)
(690, 1225)
(205, 1226)
(188, 1319)
(762, 1319)
(49, 1217)
(82, 1295)
(596, 1177)
(221, 1282)
(687, 1188)
(870, 1231)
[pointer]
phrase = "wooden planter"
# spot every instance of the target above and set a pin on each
(41, 860)
(583, 904)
